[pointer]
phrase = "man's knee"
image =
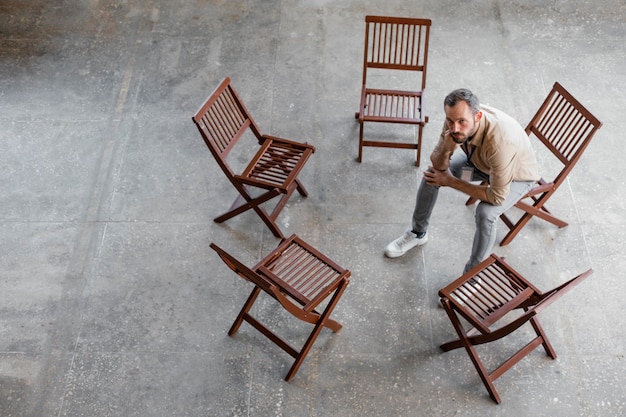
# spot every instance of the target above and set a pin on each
(487, 214)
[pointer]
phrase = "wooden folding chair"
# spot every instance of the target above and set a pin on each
(222, 121)
(301, 279)
(486, 296)
(401, 46)
(565, 127)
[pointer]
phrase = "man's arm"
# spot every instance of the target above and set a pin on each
(446, 179)
(439, 175)
(473, 190)
(440, 157)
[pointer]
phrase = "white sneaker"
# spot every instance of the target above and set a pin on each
(404, 243)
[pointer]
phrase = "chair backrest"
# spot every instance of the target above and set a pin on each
(222, 120)
(546, 298)
(564, 126)
(396, 43)
(244, 272)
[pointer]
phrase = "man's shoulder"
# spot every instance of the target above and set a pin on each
(500, 123)
(496, 115)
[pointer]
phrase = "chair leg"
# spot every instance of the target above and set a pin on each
(321, 323)
(483, 373)
(269, 223)
(244, 310)
(267, 219)
(419, 145)
(303, 352)
(546, 343)
(244, 315)
(471, 351)
(529, 212)
(255, 204)
(539, 210)
(360, 157)
(239, 206)
(303, 192)
(283, 201)
(513, 231)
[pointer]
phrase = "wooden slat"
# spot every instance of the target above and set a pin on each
(304, 274)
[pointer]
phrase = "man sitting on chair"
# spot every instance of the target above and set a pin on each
(494, 148)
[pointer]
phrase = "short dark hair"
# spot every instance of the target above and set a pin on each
(463, 94)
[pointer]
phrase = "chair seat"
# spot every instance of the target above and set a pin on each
(487, 296)
(276, 164)
(392, 106)
(302, 272)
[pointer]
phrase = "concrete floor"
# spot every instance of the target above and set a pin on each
(113, 304)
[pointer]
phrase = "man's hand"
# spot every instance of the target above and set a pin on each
(437, 177)
(444, 178)
(444, 149)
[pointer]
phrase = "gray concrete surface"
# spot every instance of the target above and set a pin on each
(113, 304)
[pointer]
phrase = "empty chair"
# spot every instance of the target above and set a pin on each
(484, 298)
(565, 128)
(301, 279)
(272, 170)
(395, 47)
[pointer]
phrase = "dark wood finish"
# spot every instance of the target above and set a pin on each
(395, 44)
(222, 121)
(565, 127)
(301, 279)
(486, 295)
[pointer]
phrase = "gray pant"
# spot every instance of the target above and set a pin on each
(486, 215)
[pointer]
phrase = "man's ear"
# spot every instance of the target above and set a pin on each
(478, 116)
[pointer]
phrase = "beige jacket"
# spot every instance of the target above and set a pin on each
(503, 151)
